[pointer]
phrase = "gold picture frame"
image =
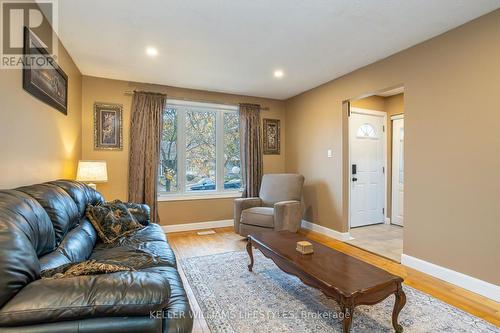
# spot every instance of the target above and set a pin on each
(272, 137)
(108, 126)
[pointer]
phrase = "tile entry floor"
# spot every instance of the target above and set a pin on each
(382, 239)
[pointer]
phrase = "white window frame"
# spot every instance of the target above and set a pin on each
(219, 192)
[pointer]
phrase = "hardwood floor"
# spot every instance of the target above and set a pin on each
(189, 244)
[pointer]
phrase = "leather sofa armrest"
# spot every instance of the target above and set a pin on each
(287, 215)
(178, 316)
(240, 205)
(141, 212)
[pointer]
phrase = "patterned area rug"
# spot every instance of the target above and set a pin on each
(268, 300)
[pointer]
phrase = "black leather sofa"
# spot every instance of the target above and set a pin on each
(44, 226)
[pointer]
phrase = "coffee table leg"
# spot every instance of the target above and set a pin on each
(398, 306)
(250, 253)
(347, 311)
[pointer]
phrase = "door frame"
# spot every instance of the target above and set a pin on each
(394, 117)
(376, 113)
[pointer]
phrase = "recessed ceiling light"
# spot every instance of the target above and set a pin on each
(278, 73)
(151, 51)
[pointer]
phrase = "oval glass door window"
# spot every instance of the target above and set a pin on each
(366, 131)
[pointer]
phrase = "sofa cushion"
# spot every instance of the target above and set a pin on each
(259, 216)
(79, 242)
(75, 247)
(58, 204)
(53, 259)
(117, 294)
(150, 239)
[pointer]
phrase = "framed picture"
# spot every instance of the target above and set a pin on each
(48, 83)
(108, 129)
(272, 136)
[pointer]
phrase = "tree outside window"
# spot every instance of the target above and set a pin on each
(200, 149)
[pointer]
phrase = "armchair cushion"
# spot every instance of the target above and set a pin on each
(280, 187)
(258, 216)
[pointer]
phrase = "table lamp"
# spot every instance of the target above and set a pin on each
(92, 172)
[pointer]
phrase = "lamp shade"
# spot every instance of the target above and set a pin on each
(92, 171)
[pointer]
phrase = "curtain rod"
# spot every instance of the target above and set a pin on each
(263, 108)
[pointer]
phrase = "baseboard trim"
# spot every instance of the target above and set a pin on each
(470, 283)
(341, 236)
(387, 220)
(197, 226)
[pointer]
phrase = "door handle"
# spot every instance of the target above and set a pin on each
(354, 179)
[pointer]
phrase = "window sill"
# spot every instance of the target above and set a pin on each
(204, 196)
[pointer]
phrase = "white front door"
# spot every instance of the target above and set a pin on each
(366, 142)
(398, 136)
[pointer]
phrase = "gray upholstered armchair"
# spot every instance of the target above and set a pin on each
(278, 206)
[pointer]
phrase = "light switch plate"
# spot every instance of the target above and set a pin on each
(329, 153)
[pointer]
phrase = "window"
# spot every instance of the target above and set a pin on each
(200, 149)
(366, 131)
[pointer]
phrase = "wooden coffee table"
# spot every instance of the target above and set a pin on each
(347, 280)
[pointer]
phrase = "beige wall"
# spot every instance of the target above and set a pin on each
(171, 212)
(38, 143)
(394, 105)
(371, 102)
(451, 145)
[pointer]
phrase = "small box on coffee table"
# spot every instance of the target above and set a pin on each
(305, 247)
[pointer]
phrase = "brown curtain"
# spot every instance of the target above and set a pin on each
(251, 149)
(145, 135)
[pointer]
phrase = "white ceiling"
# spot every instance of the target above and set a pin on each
(235, 45)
